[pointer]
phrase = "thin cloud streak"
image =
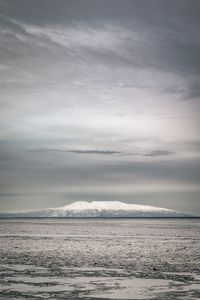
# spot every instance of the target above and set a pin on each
(105, 152)
(77, 151)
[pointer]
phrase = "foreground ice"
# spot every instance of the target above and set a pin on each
(100, 259)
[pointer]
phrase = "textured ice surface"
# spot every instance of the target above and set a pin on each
(100, 259)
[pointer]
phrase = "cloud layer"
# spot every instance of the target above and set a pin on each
(99, 98)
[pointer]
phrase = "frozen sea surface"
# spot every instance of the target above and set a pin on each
(100, 259)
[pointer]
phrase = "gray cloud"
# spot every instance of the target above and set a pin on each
(78, 151)
(159, 153)
(153, 35)
(106, 152)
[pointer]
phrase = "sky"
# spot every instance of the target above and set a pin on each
(99, 101)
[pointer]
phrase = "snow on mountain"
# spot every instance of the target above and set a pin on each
(99, 209)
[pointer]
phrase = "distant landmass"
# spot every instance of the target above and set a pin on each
(98, 209)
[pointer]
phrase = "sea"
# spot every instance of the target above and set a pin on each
(98, 258)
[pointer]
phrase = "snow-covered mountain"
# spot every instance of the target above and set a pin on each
(97, 209)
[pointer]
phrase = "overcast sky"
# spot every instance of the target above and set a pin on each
(99, 101)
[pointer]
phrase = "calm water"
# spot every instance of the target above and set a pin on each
(100, 259)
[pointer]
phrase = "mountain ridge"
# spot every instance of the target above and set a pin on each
(99, 209)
